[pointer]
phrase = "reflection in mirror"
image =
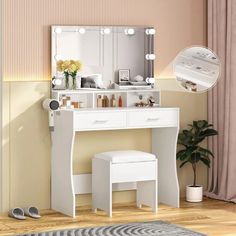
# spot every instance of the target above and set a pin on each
(106, 51)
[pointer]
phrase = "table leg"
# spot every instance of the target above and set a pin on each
(62, 189)
(164, 141)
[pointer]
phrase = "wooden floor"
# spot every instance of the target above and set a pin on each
(211, 217)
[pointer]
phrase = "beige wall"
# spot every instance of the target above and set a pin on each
(26, 140)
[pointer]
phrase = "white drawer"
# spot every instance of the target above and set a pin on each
(131, 172)
(99, 120)
(152, 118)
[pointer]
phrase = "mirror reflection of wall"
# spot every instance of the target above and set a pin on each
(104, 50)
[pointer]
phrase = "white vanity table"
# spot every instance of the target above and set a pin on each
(111, 50)
(164, 123)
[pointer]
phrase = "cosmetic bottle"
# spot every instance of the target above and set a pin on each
(75, 104)
(113, 101)
(106, 101)
(81, 104)
(120, 102)
(68, 103)
(63, 101)
(99, 101)
(103, 101)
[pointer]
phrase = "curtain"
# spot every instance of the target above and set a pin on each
(222, 100)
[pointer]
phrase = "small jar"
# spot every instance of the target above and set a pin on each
(81, 104)
(63, 101)
(75, 104)
(68, 104)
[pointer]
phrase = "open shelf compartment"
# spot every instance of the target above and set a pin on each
(89, 97)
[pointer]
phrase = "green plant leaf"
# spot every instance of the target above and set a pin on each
(206, 162)
(195, 157)
(183, 163)
(181, 138)
(208, 132)
(184, 156)
(201, 123)
(187, 133)
(201, 149)
(180, 153)
(204, 155)
(197, 140)
(188, 152)
(185, 139)
(209, 125)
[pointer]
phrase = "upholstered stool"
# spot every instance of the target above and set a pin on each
(120, 167)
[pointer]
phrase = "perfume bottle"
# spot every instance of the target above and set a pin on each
(120, 102)
(113, 101)
(105, 101)
(99, 101)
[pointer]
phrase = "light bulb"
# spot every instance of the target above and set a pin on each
(105, 31)
(82, 30)
(58, 57)
(129, 31)
(58, 30)
(57, 81)
(150, 56)
(150, 31)
(150, 80)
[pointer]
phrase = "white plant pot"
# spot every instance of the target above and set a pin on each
(194, 194)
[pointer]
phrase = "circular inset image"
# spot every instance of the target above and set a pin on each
(197, 69)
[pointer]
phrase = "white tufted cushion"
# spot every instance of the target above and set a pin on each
(126, 156)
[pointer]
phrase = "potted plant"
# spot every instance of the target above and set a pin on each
(193, 153)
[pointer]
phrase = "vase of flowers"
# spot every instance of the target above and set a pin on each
(70, 69)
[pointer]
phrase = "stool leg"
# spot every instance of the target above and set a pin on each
(101, 186)
(147, 194)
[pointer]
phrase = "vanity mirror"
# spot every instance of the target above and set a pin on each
(104, 51)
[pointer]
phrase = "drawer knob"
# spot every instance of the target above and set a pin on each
(101, 121)
(153, 119)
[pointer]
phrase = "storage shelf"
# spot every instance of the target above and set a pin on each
(89, 96)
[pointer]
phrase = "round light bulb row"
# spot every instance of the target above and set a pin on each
(148, 57)
(128, 31)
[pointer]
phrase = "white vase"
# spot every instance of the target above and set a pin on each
(194, 194)
(71, 84)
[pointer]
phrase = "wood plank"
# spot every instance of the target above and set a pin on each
(211, 217)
